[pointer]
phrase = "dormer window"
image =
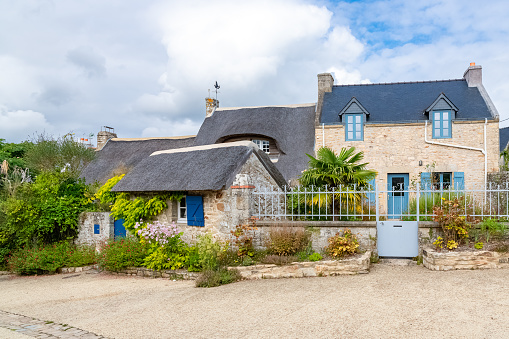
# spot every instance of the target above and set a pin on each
(442, 124)
(354, 127)
(262, 145)
(353, 116)
(441, 113)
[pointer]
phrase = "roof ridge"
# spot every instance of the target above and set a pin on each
(402, 82)
(265, 106)
(242, 143)
(153, 138)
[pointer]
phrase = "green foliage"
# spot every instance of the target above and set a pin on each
(42, 212)
(287, 240)
(62, 154)
(328, 171)
(479, 245)
(315, 257)
(208, 252)
(123, 206)
(222, 276)
(50, 258)
(454, 226)
(492, 229)
(120, 254)
(342, 245)
(13, 154)
(332, 170)
(165, 258)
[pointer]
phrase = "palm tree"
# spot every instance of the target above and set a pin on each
(330, 171)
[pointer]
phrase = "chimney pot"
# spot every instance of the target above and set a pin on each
(210, 106)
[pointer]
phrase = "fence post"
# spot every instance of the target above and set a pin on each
(377, 202)
(418, 197)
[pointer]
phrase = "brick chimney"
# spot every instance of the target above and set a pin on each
(473, 75)
(325, 83)
(210, 105)
(104, 135)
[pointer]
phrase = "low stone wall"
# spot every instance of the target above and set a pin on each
(307, 268)
(149, 273)
(463, 260)
(77, 269)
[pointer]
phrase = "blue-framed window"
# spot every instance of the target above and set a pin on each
(442, 124)
(354, 127)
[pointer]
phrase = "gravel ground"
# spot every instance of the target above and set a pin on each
(389, 302)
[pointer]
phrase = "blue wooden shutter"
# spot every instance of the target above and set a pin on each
(425, 181)
(195, 210)
(459, 180)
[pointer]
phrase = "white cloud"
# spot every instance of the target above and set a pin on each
(160, 128)
(16, 126)
(90, 61)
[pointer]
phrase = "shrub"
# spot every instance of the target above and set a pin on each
(315, 257)
(222, 276)
(454, 226)
(208, 252)
(492, 229)
(166, 250)
(342, 245)
(50, 258)
(287, 240)
(119, 254)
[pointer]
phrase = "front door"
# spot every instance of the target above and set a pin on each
(397, 195)
(119, 229)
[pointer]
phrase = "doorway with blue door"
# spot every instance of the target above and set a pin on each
(397, 194)
(119, 229)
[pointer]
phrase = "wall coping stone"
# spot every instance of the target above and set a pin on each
(351, 224)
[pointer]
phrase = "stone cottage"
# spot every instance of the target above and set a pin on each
(217, 181)
(445, 132)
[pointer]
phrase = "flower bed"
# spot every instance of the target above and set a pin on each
(464, 260)
(308, 268)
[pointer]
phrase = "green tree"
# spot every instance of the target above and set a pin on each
(62, 154)
(331, 170)
(342, 173)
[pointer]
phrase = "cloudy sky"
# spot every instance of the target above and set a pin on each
(145, 67)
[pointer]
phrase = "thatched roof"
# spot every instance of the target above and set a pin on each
(210, 167)
(292, 127)
(121, 155)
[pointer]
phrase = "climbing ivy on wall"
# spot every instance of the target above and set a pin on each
(134, 209)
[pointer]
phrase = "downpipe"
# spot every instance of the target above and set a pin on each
(483, 151)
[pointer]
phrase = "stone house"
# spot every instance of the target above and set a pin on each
(445, 132)
(217, 181)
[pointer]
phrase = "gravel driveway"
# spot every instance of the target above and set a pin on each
(389, 302)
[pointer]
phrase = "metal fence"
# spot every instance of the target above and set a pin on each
(378, 203)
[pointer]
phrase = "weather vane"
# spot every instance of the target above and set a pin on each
(217, 87)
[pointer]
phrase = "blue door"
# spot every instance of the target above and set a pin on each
(119, 229)
(397, 194)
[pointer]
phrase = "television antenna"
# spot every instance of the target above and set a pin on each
(217, 87)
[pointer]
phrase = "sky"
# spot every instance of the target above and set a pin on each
(145, 67)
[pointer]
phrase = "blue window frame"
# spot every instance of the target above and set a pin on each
(354, 127)
(442, 124)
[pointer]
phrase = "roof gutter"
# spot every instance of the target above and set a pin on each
(483, 151)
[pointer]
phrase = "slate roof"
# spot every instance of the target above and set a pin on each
(210, 167)
(405, 101)
(504, 137)
(121, 155)
(292, 127)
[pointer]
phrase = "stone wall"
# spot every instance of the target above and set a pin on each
(308, 268)
(86, 224)
(398, 148)
(464, 260)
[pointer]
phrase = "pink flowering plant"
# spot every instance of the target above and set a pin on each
(167, 249)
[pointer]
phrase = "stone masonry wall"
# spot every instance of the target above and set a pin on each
(86, 224)
(398, 148)
(464, 260)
